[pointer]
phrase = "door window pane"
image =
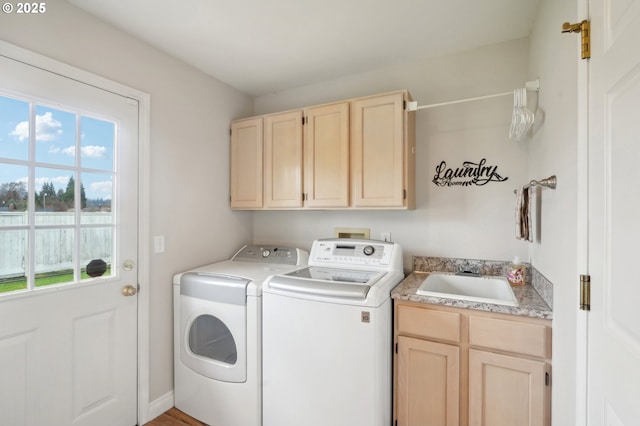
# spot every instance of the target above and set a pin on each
(14, 129)
(69, 175)
(96, 143)
(13, 259)
(97, 193)
(54, 256)
(14, 186)
(55, 193)
(96, 247)
(55, 136)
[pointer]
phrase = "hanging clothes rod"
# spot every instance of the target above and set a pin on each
(550, 182)
(530, 85)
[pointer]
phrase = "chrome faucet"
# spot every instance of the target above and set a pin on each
(466, 268)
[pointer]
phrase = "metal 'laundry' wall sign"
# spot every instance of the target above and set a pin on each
(469, 174)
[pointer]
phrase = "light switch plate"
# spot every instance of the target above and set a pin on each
(158, 244)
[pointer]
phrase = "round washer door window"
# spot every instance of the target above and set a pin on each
(211, 338)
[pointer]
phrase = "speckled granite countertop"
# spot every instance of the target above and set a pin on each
(530, 302)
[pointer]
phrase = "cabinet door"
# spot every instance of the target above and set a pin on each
(246, 164)
(326, 153)
(377, 151)
(428, 383)
(283, 160)
(507, 391)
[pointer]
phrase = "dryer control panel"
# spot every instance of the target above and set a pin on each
(281, 255)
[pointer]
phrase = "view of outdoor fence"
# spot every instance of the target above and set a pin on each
(54, 247)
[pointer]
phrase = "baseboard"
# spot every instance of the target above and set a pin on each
(160, 405)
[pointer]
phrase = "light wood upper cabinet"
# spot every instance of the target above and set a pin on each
(246, 164)
(382, 152)
(470, 368)
(283, 160)
(357, 153)
(326, 156)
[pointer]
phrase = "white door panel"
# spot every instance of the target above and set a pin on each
(614, 229)
(17, 352)
(68, 352)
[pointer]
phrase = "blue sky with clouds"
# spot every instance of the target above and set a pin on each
(55, 147)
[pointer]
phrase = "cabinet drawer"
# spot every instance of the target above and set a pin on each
(429, 323)
(517, 337)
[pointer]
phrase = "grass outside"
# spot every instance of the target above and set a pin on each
(42, 280)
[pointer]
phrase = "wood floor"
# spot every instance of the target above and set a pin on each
(174, 417)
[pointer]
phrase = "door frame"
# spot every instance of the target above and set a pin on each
(582, 243)
(144, 142)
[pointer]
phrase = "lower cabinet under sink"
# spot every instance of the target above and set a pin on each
(461, 367)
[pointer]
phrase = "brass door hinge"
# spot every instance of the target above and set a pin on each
(585, 292)
(584, 28)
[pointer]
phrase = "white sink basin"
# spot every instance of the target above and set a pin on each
(484, 288)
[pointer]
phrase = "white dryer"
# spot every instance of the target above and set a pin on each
(218, 334)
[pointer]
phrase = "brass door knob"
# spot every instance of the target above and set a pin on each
(129, 290)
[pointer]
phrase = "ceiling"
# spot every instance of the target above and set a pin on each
(265, 46)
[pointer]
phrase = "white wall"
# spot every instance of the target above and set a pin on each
(469, 222)
(190, 115)
(554, 57)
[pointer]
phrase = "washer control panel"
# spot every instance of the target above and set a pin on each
(351, 252)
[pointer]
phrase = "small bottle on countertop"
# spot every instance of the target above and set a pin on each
(517, 273)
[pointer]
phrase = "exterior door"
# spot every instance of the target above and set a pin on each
(68, 251)
(614, 203)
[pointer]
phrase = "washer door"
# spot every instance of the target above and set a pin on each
(213, 326)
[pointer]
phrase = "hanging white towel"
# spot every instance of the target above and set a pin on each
(523, 214)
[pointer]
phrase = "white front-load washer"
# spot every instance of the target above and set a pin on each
(218, 334)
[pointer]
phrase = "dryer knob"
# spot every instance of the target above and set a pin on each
(266, 253)
(368, 250)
